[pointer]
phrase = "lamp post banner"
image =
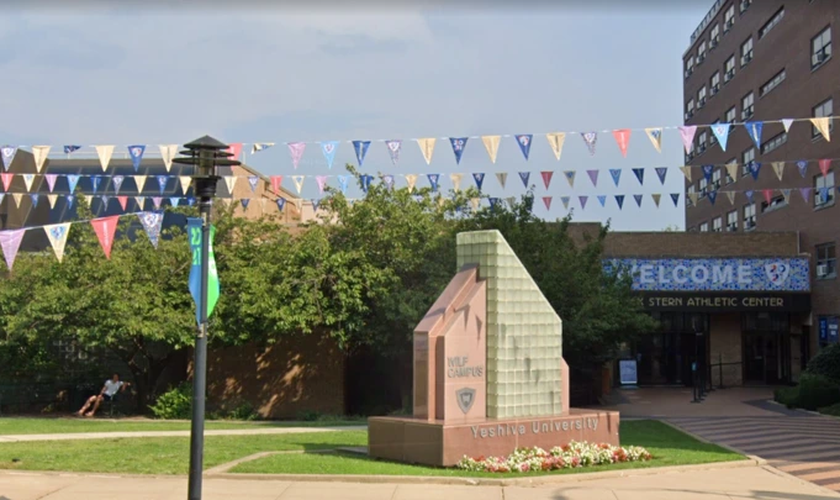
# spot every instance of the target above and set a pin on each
(213, 287)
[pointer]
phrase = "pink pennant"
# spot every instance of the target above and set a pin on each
(7, 180)
(546, 177)
(768, 195)
(622, 137)
(322, 181)
(235, 149)
(105, 228)
(156, 200)
(547, 201)
(296, 150)
(51, 181)
(687, 133)
(824, 166)
(276, 181)
(123, 201)
(10, 242)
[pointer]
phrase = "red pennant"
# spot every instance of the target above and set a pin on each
(768, 195)
(234, 149)
(824, 166)
(276, 180)
(7, 180)
(546, 176)
(123, 201)
(547, 201)
(105, 228)
(622, 137)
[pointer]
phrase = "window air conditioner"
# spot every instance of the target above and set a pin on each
(822, 270)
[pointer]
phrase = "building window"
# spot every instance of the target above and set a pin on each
(732, 221)
(690, 191)
(747, 109)
(714, 83)
(774, 142)
(824, 190)
(717, 225)
(701, 97)
(689, 66)
(747, 157)
(826, 261)
(729, 19)
(821, 48)
(749, 217)
(702, 142)
(769, 25)
(822, 110)
(729, 69)
(777, 202)
(701, 52)
(745, 4)
(746, 52)
(731, 115)
(703, 187)
(772, 83)
(716, 179)
(714, 38)
(689, 109)
(704, 227)
(729, 179)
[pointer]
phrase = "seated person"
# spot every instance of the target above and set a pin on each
(111, 387)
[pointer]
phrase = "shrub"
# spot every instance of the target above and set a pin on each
(817, 391)
(833, 410)
(786, 396)
(175, 403)
(243, 411)
(826, 362)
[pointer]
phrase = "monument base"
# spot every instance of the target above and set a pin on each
(437, 443)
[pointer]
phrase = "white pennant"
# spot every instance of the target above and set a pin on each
(168, 152)
(686, 170)
(140, 181)
(28, 179)
(89, 199)
(298, 179)
(40, 153)
(141, 201)
(787, 122)
(230, 182)
(732, 170)
(52, 198)
(411, 181)
(656, 198)
(186, 181)
(456, 181)
(474, 202)
(502, 178)
(104, 153)
(57, 234)
(779, 168)
(17, 197)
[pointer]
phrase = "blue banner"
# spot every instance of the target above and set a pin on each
(213, 288)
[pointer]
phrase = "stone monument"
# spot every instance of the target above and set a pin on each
(489, 374)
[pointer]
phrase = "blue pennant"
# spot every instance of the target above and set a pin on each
(638, 199)
(661, 172)
(713, 196)
(754, 129)
(162, 180)
(105, 199)
(34, 198)
(433, 180)
(479, 179)
(190, 201)
(342, 183)
(524, 141)
(602, 199)
(281, 203)
(361, 148)
(253, 180)
(824, 194)
(315, 204)
(70, 148)
(329, 148)
(174, 201)
(525, 176)
(70, 199)
(619, 198)
(749, 194)
(721, 131)
(640, 174)
(72, 182)
(388, 179)
(616, 175)
(755, 167)
(95, 181)
(675, 197)
(802, 165)
(245, 202)
(707, 171)
(366, 180)
(136, 152)
(494, 202)
(459, 144)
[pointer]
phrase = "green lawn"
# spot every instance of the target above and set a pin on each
(170, 455)
(24, 425)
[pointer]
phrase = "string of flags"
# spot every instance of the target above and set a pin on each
(555, 140)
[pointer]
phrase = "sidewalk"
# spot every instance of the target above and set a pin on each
(17, 438)
(742, 483)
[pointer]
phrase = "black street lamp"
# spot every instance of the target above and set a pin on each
(205, 154)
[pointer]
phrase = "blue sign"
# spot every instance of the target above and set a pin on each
(829, 329)
(707, 275)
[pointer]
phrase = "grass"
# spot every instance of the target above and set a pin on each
(833, 410)
(26, 425)
(170, 455)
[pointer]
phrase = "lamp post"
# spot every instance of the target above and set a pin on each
(205, 154)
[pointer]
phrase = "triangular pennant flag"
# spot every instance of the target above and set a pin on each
(732, 170)
(675, 197)
(8, 153)
(117, 181)
(186, 181)
(615, 173)
(123, 201)
(565, 201)
(755, 168)
(713, 196)
(433, 180)
(162, 180)
(245, 202)
(71, 148)
(582, 200)
(156, 201)
(140, 182)
(253, 180)
(825, 164)
(556, 140)
(524, 176)
(322, 181)
(823, 126)
(686, 170)
(474, 203)
(749, 194)
(656, 198)
(806, 194)
(427, 147)
(106, 228)
(570, 177)
(491, 144)
(361, 148)
(10, 243)
(141, 200)
(502, 178)
(693, 197)
(260, 146)
(786, 194)
(411, 181)
(136, 152)
(802, 165)
(640, 175)
(388, 180)
(754, 130)
(779, 168)
(235, 150)
(152, 222)
(687, 134)
(593, 176)
(786, 123)
(7, 180)
(296, 150)
(52, 198)
(493, 202)
(57, 234)
(661, 172)
(28, 179)
(17, 197)
(731, 196)
(34, 199)
(546, 177)
(366, 180)
(524, 141)
(768, 195)
(298, 180)
(191, 200)
(622, 138)
(105, 153)
(708, 170)
(590, 138)
(458, 146)
(478, 177)
(394, 146)
(602, 199)
(174, 200)
(655, 136)
(721, 132)
(70, 200)
(281, 203)
(456, 181)
(167, 153)
(638, 198)
(511, 201)
(276, 182)
(315, 204)
(95, 182)
(328, 148)
(619, 199)
(230, 182)
(40, 154)
(547, 202)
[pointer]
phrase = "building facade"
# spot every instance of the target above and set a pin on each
(764, 61)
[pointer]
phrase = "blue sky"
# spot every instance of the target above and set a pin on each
(94, 76)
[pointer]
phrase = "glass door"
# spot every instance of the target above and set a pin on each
(754, 357)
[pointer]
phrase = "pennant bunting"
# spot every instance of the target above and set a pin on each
(281, 203)
(754, 130)
(570, 177)
(546, 177)
(708, 170)
(675, 197)
(786, 194)
(366, 180)
(123, 201)
(656, 198)
(433, 180)
(556, 140)
(52, 198)
(686, 170)
(491, 144)
(524, 141)
(427, 147)
(619, 199)
(28, 179)
(34, 199)
(693, 197)
(787, 122)
(95, 182)
(511, 201)
(8, 153)
(524, 177)
(191, 201)
(768, 195)
(117, 181)
(253, 180)
(749, 194)
(174, 201)
(687, 134)
(361, 149)
(394, 146)
(640, 175)
(590, 138)
(105, 229)
(593, 176)
(802, 165)
(474, 202)
(136, 152)
(661, 172)
(823, 126)
(17, 197)
(494, 202)
(322, 181)
(230, 183)
(328, 149)
(638, 198)
(602, 199)
(296, 150)
(456, 181)
(713, 196)
(582, 199)
(260, 146)
(806, 194)
(824, 164)
(478, 177)
(732, 170)
(458, 146)
(167, 153)
(186, 181)
(40, 154)
(779, 168)
(622, 138)
(162, 180)
(315, 204)
(156, 201)
(388, 180)
(71, 148)
(731, 196)
(298, 180)
(502, 178)
(70, 200)
(755, 168)
(411, 181)
(7, 180)
(245, 202)
(547, 202)
(57, 235)
(721, 132)
(235, 150)
(565, 201)
(615, 173)
(655, 136)
(104, 153)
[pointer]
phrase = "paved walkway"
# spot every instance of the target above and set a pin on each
(752, 483)
(799, 443)
(16, 438)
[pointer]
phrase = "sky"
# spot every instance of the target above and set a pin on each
(161, 75)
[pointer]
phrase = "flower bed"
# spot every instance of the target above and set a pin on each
(573, 455)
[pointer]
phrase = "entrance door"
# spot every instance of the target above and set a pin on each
(754, 357)
(763, 358)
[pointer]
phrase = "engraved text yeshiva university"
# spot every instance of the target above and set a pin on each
(535, 427)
